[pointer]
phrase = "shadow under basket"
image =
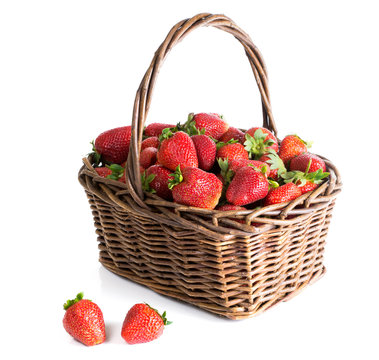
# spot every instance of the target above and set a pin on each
(204, 257)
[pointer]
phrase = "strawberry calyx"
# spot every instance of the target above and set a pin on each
(117, 171)
(163, 315)
(226, 173)
(275, 162)
(69, 303)
(95, 155)
(189, 126)
(166, 134)
(301, 178)
(177, 178)
(146, 180)
(257, 145)
(220, 144)
(262, 170)
(272, 184)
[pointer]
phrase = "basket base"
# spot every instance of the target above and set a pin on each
(230, 313)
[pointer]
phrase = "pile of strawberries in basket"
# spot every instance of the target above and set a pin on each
(205, 163)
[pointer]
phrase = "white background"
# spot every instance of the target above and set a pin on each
(70, 69)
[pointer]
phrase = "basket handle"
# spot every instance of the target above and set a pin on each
(145, 90)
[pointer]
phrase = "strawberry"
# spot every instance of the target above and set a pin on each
(276, 164)
(301, 163)
(195, 187)
(259, 141)
(247, 186)
(143, 324)
(150, 142)
(233, 133)
(292, 146)
(205, 150)
(155, 129)
(84, 321)
(177, 149)
(148, 157)
(306, 181)
(230, 207)
(308, 186)
(231, 151)
(213, 124)
(283, 193)
(234, 165)
(156, 180)
(112, 146)
(103, 171)
(113, 171)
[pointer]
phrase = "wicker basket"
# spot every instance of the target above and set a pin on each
(201, 256)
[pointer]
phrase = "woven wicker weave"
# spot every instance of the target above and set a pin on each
(202, 256)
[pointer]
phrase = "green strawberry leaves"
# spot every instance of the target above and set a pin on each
(257, 145)
(69, 303)
(95, 155)
(146, 180)
(163, 316)
(276, 162)
(300, 178)
(220, 144)
(117, 171)
(226, 173)
(166, 134)
(178, 178)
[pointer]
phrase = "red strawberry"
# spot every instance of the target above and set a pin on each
(213, 124)
(156, 180)
(103, 171)
(155, 129)
(247, 186)
(231, 151)
(177, 149)
(150, 142)
(206, 151)
(195, 187)
(233, 133)
(292, 146)
(308, 186)
(301, 163)
(113, 171)
(234, 165)
(143, 324)
(84, 321)
(229, 207)
(113, 145)
(259, 141)
(148, 157)
(281, 194)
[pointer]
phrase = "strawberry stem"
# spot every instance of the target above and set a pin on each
(163, 316)
(69, 303)
(178, 178)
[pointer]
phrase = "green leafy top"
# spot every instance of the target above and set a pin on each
(220, 144)
(257, 145)
(69, 303)
(163, 316)
(117, 171)
(275, 162)
(226, 173)
(95, 155)
(146, 180)
(178, 178)
(166, 134)
(300, 178)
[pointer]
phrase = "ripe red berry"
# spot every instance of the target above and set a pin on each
(84, 321)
